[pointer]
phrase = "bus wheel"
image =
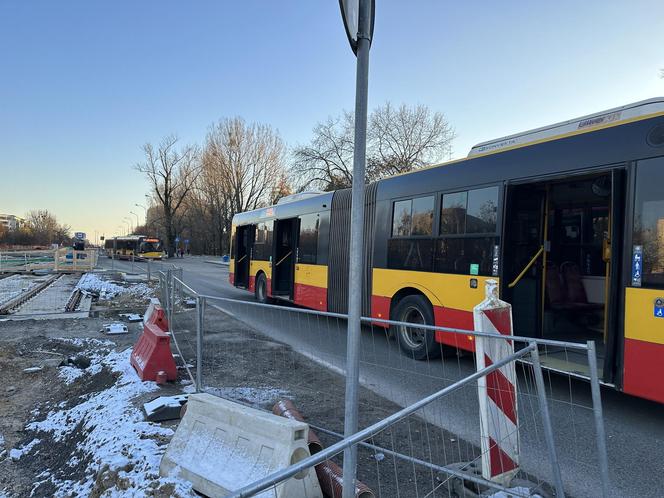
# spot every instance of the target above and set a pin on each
(261, 289)
(416, 342)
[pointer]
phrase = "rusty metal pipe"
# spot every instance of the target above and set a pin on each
(330, 475)
(286, 408)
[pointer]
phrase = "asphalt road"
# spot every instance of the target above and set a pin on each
(634, 427)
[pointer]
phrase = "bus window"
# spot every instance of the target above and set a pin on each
(412, 220)
(413, 217)
(401, 219)
(482, 210)
(468, 232)
(262, 249)
(308, 243)
(649, 219)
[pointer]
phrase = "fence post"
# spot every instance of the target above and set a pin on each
(599, 418)
(546, 422)
(200, 316)
(169, 300)
(149, 274)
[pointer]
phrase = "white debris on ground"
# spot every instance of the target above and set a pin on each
(91, 282)
(115, 437)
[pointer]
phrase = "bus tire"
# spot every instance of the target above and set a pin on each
(417, 343)
(261, 289)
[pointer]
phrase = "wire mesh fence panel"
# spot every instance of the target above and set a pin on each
(257, 354)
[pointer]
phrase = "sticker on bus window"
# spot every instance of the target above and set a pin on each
(637, 266)
(659, 307)
(474, 269)
(496, 256)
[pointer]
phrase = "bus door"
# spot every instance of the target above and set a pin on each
(522, 260)
(244, 240)
(557, 264)
(284, 254)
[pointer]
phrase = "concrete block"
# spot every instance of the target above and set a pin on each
(221, 446)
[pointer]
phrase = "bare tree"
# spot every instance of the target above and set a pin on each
(172, 173)
(243, 166)
(327, 161)
(405, 138)
(398, 140)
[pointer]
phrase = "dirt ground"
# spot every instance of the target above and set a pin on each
(239, 364)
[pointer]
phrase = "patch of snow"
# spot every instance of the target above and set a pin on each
(17, 453)
(115, 435)
(252, 395)
(84, 343)
(518, 491)
(91, 282)
(96, 351)
(69, 374)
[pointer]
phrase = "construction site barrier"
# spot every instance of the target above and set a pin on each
(221, 446)
(499, 434)
(152, 352)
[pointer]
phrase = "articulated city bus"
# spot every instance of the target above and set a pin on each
(137, 246)
(569, 219)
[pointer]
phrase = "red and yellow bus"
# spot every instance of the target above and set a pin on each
(569, 218)
(134, 246)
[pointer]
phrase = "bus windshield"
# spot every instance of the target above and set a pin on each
(151, 246)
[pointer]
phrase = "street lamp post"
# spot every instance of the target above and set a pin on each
(128, 223)
(358, 16)
(131, 223)
(144, 209)
(137, 223)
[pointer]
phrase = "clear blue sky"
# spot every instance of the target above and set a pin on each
(84, 84)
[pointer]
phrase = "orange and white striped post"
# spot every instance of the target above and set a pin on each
(499, 421)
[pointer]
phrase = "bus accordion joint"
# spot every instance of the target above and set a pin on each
(528, 266)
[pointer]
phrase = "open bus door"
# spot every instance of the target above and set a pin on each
(560, 272)
(284, 255)
(244, 239)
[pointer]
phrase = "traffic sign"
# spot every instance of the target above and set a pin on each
(350, 12)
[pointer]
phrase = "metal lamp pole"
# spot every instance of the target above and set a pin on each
(358, 19)
(137, 222)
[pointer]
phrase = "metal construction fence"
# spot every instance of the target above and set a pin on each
(421, 420)
(66, 283)
(59, 260)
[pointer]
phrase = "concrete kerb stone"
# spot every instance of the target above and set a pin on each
(221, 446)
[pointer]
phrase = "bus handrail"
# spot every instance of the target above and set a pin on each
(530, 263)
(282, 259)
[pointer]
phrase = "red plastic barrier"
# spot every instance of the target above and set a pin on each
(152, 352)
(158, 317)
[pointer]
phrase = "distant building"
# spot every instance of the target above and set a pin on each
(11, 222)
